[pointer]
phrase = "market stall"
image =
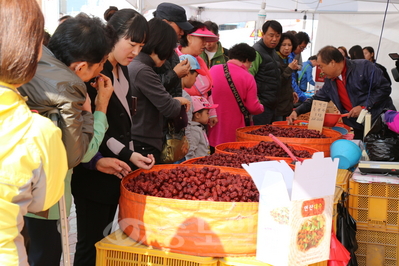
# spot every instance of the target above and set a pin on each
(205, 215)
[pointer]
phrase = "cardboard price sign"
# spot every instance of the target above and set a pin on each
(316, 119)
(295, 210)
(331, 109)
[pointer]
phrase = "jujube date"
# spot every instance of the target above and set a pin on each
(224, 186)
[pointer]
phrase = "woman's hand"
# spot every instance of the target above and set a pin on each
(104, 87)
(141, 161)
(296, 97)
(294, 65)
(293, 116)
(113, 166)
(184, 101)
(182, 69)
(213, 121)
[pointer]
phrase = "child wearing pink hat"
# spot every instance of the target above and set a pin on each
(199, 144)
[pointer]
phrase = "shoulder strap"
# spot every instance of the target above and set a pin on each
(243, 109)
(303, 72)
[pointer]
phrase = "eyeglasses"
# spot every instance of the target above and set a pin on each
(302, 47)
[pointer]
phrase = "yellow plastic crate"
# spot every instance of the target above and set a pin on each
(241, 261)
(118, 249)
(343, 177)
(377, 248)
(374, 206)
(252, 261)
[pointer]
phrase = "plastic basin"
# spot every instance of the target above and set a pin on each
(347, 151)
(330, 120)
(341, 130)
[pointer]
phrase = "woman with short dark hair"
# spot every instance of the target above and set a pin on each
(153, 101)
(356, 52)
(286, 94)
(193, 43)
(229, 113)
(368, 52)
(96, 194)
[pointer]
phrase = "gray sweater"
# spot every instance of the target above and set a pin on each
(153, 102)
(199, 144)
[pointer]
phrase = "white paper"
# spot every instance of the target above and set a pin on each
(315, 178)
(257, 172)
(273, 197)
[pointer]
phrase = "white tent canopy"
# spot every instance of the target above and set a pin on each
(227, 11)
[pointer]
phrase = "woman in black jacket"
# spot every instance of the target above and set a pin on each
(153, 101)
(286, 93)
(368, 52)
(96, 194)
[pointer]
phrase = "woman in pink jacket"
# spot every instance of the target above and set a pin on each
(229, 114)
(193, 43)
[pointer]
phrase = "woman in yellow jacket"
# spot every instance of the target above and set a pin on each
(33, 160)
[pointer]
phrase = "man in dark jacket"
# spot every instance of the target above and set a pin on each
(352, 85)
(266, 71)
(173, 70)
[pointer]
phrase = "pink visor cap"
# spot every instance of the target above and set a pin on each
(205, 33)
(200, 103)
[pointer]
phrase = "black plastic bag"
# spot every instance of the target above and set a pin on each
(346, 229)
(381, 143)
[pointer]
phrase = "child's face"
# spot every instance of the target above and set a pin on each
(202, 117)
(189, 80)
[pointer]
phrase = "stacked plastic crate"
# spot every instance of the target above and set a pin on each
(118, 249)
(375, 207)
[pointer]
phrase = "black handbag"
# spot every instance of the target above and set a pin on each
(243, 109)
(346, 229)
(176, 144)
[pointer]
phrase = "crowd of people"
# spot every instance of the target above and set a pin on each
(115, 89)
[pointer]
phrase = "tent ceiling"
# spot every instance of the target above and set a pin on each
(230, 11)
(319, 6)
(225, 11)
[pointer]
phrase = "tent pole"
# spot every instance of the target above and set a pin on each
(261, 19)
(139, 6)
(311, 43)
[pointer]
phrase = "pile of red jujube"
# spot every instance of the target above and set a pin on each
(287, 132)
(265, 148)
(191, 183)
(230, 160)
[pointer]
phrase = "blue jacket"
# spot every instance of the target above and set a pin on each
(301, 94)
(359, 74)
(307, 69)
